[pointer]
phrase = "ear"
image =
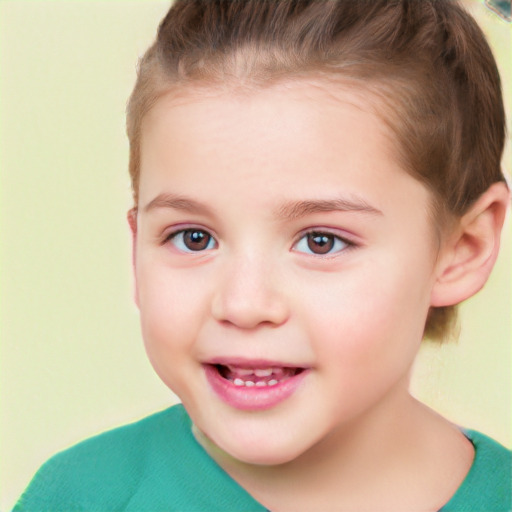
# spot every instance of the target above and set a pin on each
(132, 222)
(468, 255)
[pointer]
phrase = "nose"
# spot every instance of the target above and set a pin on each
(249, 294)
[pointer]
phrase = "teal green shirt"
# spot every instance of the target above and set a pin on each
(157, 465)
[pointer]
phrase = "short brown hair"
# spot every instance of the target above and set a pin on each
(427, 61)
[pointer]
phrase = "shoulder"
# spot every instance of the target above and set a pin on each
(109, 465)
(488, 485)
(153, 464)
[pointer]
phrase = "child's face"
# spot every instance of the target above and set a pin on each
(275, 230)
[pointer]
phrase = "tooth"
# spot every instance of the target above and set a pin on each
(263, 372)
(241, 371)
(238, 382)
(249, 383)
(272, 382)
(261, 383)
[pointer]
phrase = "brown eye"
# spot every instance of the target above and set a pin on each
(192, 240)
(320, 243)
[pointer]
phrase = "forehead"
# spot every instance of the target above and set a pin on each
(292, 135)
(280, 115)
(294, 98)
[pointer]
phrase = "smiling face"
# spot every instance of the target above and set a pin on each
(284, 265)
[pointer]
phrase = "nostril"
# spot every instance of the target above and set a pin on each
(248, 304)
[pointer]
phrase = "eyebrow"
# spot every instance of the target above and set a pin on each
(287, 212)
(298, 209)
(177, 202)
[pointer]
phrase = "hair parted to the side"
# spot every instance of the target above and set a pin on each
(426, 62)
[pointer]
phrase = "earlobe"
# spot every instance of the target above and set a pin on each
(468, 256)
(132, 222)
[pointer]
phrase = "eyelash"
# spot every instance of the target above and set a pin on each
(171, 237)
(335, 239)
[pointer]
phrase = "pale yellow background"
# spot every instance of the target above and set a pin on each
(72, 360)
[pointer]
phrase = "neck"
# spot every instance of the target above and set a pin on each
(385, 454)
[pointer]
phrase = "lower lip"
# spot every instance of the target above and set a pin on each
(253, 398)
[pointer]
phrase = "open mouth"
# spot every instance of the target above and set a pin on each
(256, 377)
(253, 385)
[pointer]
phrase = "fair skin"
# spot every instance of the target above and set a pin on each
(276, 229)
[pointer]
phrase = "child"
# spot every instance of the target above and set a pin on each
(317, 184)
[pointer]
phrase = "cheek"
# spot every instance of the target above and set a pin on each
(171, 308)
(365, 343)
(369, 318)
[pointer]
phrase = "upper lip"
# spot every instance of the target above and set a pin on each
(243, 362)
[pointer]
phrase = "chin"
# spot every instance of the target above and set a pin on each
(262, 458)
(260, 453)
